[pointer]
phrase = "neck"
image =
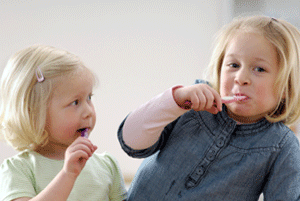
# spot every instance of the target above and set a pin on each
(52, 151)
(244, 120)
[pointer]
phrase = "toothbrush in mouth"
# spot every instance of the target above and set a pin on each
(231, 99)
(84, 133)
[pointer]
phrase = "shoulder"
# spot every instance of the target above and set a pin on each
(283, 140)
(16, 177)
(105, 156)
(282, 136)
(20, 165)
(22, 159)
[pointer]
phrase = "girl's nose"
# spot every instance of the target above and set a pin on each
(88, 110)
(242, 77)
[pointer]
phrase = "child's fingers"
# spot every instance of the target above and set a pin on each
(209, 98)
(213, 110)
(198, 97)
(195, 101)
(217, 100)
(95, 147)
(75, 161)
(203, 100)
(77, 154)
(82, 147)
(213, 99)
(85, 141)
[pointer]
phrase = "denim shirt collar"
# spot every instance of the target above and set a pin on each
(240, 129)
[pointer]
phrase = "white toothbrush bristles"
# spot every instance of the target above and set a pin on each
(231, 99)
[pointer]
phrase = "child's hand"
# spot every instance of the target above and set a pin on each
(198, 97)
(77, 155)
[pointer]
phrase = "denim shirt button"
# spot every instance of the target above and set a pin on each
(211, 155)
(220, 142)
(197, 174)
(200, 171)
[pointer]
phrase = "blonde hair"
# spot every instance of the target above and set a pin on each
(286, 38)
(24, 100)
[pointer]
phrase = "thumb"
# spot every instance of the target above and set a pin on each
(213, 110)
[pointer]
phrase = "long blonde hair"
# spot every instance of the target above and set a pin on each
(286, 39)
(24, 100)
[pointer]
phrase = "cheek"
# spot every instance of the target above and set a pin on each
(276, 96)
(225, 85)
(267, 89)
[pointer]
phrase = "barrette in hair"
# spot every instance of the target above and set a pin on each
(273, 18)
(39, 75)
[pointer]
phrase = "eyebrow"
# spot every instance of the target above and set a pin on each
(256, 58)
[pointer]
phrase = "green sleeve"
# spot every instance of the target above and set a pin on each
(16, 180)
(118, 191)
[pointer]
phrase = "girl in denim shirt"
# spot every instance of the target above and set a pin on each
(201, 149)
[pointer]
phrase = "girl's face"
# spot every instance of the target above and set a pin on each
(250, 68)
(70, 109)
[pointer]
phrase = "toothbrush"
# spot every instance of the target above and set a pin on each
(231, 99)
(84, 133)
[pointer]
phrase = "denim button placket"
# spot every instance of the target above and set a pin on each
(211, 155)
(190, 184)
(197, 174)
(220, 141)
(205, 163)
(200, 171)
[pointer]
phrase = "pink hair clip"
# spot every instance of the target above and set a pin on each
(40, 78)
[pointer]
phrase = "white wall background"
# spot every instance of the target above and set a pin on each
(138, 48)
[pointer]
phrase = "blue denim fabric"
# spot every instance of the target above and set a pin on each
(201, 156)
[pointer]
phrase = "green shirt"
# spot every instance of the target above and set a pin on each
(28, 173)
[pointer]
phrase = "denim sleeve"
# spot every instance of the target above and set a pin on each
(200, 81)
(284, 177)
(143, 153)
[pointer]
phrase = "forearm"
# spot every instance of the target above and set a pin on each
(59, 189)
(143, 126)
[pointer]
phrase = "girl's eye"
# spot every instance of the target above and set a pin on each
(259, 69)
(76, 102)
(234, 65)
(90, 96)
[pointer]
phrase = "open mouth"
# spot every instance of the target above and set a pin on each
(81, 130)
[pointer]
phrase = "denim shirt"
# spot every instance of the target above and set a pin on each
(202, 156)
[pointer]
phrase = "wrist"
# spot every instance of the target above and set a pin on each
(70, 176)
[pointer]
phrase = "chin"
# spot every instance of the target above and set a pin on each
(240, 112)
(239, 109)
